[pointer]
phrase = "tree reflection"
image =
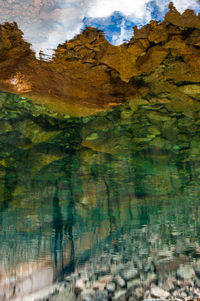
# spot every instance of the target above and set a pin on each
(64, 227)
(58, 238)
(10, 182)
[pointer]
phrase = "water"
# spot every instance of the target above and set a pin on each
(120, 182)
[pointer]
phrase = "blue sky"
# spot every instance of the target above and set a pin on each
(118, 26)
(115, 17)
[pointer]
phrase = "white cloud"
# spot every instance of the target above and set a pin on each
(67, 19)
(123, 36)
(137, 9)
(182, 5)
(105, 8)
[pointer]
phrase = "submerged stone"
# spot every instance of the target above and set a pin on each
(193, 90)
(158, 292)
(93, 136)
(197, 270)
(5, 127)
(34, 132)
(119, 296)
(129, 273)
(185, 272)
(156, 116)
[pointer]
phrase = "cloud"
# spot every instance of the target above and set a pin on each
(104, 8)
(182, 5)
(139, 12)
(134, 9)
(65, 19)
(124, 35)
(59, 25)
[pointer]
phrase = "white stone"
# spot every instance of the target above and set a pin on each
(185, 272)
(158, 292)
(130, 273)
(120, 296)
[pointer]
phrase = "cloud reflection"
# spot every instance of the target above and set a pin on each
(46, 23)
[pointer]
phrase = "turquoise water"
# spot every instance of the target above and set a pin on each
(73, 188)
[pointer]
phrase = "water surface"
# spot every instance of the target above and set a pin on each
(73, 188)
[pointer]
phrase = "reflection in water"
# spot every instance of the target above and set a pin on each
(73, 188)
(48, 23)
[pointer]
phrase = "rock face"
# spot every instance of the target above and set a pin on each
(87, 74)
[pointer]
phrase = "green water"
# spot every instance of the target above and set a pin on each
(73, 188)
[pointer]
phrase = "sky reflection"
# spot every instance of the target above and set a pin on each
(46, 23)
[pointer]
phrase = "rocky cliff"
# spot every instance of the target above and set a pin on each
(87, 74)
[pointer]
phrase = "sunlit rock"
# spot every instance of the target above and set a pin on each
(158, 33)
(87, 74)
(187, 19)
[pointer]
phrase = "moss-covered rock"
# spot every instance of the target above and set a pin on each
(5, 127)
(34, 132)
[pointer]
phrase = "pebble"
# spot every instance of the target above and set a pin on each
(197, 270)
(164, 256)
(139, 292)
(116, 268)
(131, 284)
(99, 286)
(128, 283)
(120, 281)
(111, 286)
(87, 295)
(197, 282)
(187, 283)
(175, 293)
(79, 286)
(197, 292)
(151, 277)
(129, 274)
(119, 296)
(101, 296)
(185, 272)
(147, 294)
(158, 292)
(102, 282)
(155, 299)
(183, 295)
(168, 285)
(103, 271)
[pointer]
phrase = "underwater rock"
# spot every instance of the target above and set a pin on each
(185, 272)
(158, 292)
(34, 132)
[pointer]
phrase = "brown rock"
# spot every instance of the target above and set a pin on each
(141, 33)
(88, 74)
(194, 38)
(152, 59)
(65, 80)
(123, 59)
(158, 33)
(188, 19)
(180, 71)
